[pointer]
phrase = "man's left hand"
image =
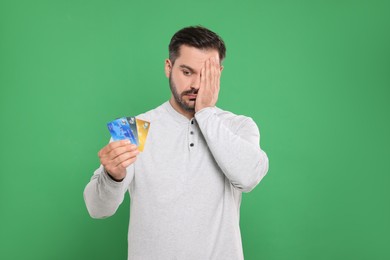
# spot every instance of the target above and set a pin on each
(209, 85)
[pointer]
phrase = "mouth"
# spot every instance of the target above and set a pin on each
(191, 96)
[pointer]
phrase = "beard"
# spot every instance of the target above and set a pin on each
(186, 105)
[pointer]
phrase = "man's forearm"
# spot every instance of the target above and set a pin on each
(103, 195)
(238, 153)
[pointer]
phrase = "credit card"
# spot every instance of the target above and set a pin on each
(142, 129)
(133, 126)
(120, 130)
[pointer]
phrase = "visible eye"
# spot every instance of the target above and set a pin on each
(187, 73)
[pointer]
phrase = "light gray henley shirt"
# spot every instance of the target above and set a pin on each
(185, 187)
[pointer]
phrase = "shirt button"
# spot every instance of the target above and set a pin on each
(191, 144)
(192, 122)
(192, 132)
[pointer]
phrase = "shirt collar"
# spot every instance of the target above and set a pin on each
(176, 115)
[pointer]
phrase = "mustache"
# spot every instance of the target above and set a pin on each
(189, 92)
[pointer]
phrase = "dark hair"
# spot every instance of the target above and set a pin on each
(198, 37)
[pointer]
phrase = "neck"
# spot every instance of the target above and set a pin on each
(178, 108)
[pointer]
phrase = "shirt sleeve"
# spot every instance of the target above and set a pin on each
(237, 151)
(103, 195)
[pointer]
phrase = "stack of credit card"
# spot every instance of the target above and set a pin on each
(130, 128)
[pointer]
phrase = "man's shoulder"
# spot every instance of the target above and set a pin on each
(228, 115)
(154, 113)
(232, 119)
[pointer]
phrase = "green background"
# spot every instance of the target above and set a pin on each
(314, 75)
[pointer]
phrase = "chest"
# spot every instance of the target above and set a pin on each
(176, 161)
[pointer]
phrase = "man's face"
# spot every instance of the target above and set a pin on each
(184, 75)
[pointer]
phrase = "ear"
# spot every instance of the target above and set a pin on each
(221, 68)
(168, 67)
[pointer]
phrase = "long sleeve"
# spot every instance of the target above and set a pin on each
(235, 148)
(102, 195)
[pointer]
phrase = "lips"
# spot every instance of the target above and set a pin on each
(191, 96)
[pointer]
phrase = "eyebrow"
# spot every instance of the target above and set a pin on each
(187, 67)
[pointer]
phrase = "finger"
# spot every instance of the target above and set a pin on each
(106, 159)
(121, 150)
(108, 148)
(199, 79)
(209, 69)
(125, 164)
(217, 75)
(208, 74)
(124, 157)
(202, 77)
(211, 78)
(215, 79)
(214, 74)
(216, 67)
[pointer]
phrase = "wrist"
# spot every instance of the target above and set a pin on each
(197, 109)
(113, 178)
(205, 108)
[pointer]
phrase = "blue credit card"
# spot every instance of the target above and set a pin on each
(133, 126)
(120, 130)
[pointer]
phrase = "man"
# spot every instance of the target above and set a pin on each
(185, 187)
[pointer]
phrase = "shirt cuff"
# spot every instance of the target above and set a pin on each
(108, 179)
(205, 113)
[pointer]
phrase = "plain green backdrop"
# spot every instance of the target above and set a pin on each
(314, 75)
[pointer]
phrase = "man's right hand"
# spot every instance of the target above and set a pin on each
(117, 156)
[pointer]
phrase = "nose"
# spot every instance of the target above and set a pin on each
(196, 83)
